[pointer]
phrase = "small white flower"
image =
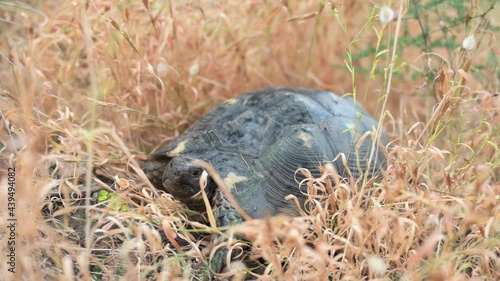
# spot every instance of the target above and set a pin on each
(469, 42)
(386, 14)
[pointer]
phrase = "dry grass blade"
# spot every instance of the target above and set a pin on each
(222, 186)
(89, 88)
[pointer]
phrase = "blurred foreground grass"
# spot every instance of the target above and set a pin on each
(89, 87)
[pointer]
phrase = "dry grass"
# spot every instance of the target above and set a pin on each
(89, 87)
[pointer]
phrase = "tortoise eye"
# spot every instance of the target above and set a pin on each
(196, 172)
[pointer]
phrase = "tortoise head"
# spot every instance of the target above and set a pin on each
(180, 176)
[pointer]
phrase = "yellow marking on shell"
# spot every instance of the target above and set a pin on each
(305, 137)
(178, 149)
(231, 101)
(350, 129)
(232, 179)
(349, 126)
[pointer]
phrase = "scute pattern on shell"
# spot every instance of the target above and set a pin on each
(263, 137)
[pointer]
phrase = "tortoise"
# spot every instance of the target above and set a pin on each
(256, 142)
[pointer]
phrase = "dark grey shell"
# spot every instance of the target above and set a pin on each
(257, 141)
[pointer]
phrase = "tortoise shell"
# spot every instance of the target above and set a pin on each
(257, 141)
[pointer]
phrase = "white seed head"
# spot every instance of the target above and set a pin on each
(162, 68)
(469, 42)
(194, 69)
(377, 265)
(386, 14)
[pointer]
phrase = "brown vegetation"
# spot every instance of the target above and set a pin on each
(90, 87)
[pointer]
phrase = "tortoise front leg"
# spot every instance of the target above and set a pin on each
(225, 215)
(224, 212)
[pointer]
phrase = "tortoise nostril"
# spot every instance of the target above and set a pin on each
(176, 172)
